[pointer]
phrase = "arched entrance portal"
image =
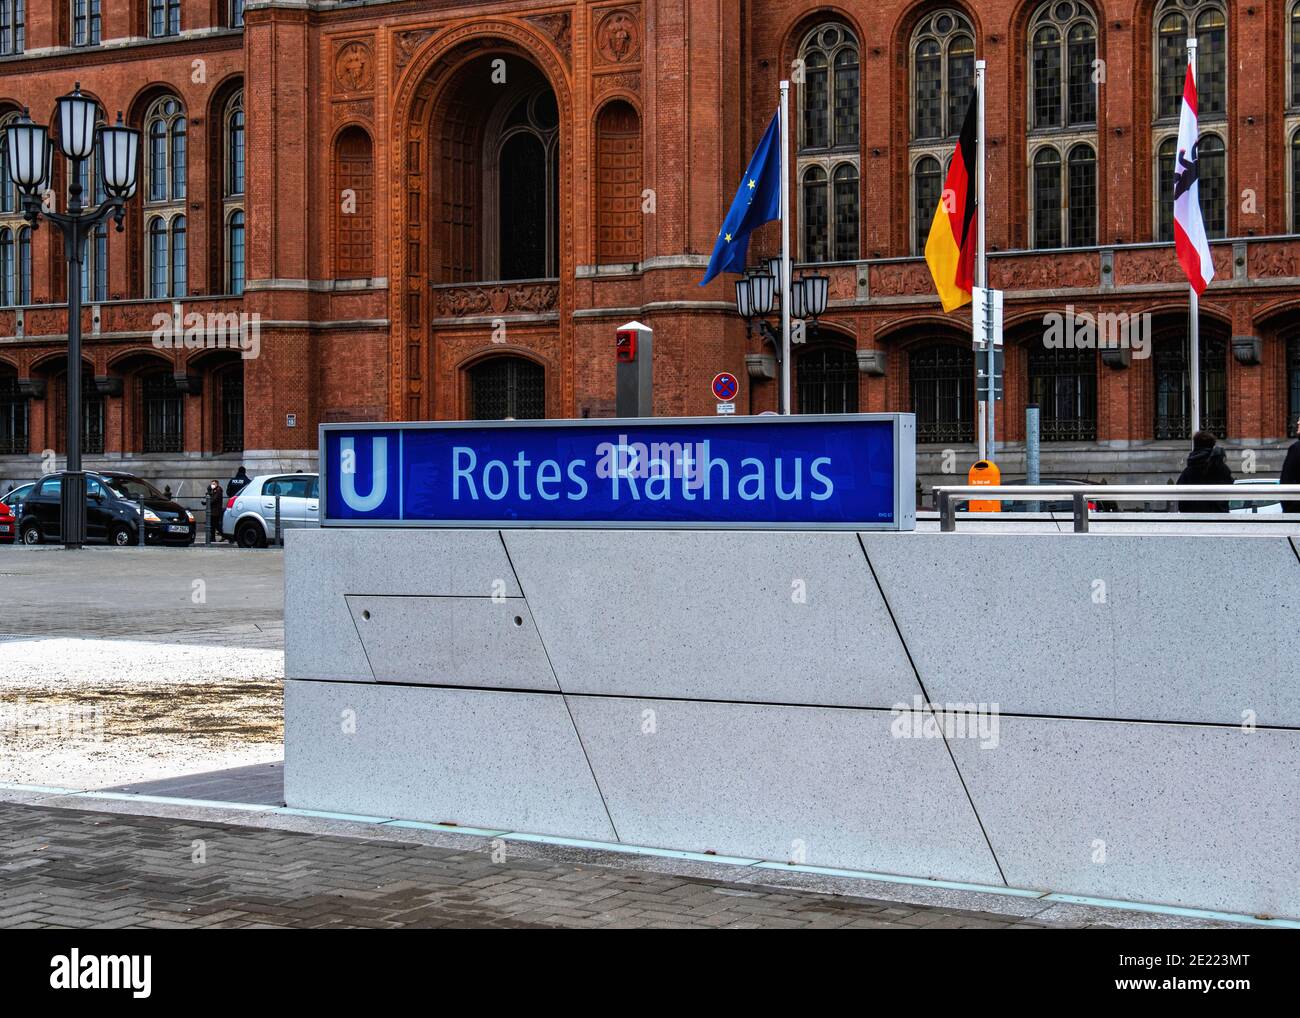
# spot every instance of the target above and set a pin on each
(496, 182)
(487, 233)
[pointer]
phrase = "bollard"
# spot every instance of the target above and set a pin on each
(947, 514)
(1080, 514)
(279, 534)
(140, 530)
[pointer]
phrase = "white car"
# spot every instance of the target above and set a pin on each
(1245, 506)
(249, 519)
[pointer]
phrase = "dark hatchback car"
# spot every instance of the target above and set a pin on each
(112, 512)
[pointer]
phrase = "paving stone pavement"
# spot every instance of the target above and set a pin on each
(69, 868)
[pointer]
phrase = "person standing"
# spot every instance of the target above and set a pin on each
(1206, 464)
(238, 483)
(216, 507)
(1291, 471)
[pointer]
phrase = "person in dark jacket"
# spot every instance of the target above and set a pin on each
(216, 507)
(1291, 471)
(238, 483)
(1206, 464)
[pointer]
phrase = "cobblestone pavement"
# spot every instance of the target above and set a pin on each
(75, 868)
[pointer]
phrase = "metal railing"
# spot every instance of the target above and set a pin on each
(948, 496)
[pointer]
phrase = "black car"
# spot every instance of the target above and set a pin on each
(1056, 504)
(112, 512)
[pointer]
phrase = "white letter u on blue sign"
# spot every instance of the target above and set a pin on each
(378, 475)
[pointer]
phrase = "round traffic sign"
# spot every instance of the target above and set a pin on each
(725, 386)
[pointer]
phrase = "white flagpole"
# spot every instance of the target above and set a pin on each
(987, 432)
(785, 248)
(1194, 304)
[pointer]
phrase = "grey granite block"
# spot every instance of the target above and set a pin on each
(782, 617)
(1191, 815)
(1159, 627)
(475, 758)
(824, 786)
(322, 565)
(452, 641)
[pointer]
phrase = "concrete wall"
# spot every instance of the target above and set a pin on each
(786, 696)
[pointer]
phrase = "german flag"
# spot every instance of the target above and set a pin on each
(950, 248)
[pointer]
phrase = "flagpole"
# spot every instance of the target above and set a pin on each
(785, 248)
(1194, 304)
(986, 419)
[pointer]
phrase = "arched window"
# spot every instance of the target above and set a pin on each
(826, 379)
(235, 252)
(233, 194)
(1063, 125)
(230, 423)
(1295, 181)
(815, 215)
(527, 156)
(92, 414)
(85, 22)
(1047, 198)
(618, 185)
(502, 388)
(354, 240)
(943, 74)
(165, 188)
(1295, 56)
(941, 377)
(943, 81)
(162, 416)
(13, 415)
(164, 18)
(828, 153)
(1172, 21)
(1063, 383)
(927, 187)
(1062, 51)
(1172, 395)
(13, 28)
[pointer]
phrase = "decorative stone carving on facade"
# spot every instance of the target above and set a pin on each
(901, 280)
(1149, 265)
(628, 81)
(618, 36)
(1033, 272)
(495, 299)
(363, 109)
(406, 43)
(354, 67)
(1265, 260)
(558, 27)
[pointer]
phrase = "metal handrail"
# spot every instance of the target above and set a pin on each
(949, 495)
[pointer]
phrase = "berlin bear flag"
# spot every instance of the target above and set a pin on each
(1189, 227)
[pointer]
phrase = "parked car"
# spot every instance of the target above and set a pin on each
(113, 509)
(14, 499)
(8, 524)
(1056, 504)
(1248, 506)
(249, 518)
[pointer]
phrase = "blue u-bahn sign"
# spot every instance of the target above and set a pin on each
(841, 471)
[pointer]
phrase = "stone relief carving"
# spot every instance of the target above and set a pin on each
(354, 67)
(557, 26)
(497, 299)
(618, 37)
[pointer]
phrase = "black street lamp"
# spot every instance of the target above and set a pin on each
(758, 295)
(31, 158)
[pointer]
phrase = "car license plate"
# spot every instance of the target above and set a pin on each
(178, 530)
(4, 528)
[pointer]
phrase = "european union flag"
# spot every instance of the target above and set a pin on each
(757, 202)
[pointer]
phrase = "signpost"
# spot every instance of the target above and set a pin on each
(725, 386)
(833, 471)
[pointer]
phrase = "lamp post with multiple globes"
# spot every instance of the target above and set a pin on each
(758, 295)
(31, 157)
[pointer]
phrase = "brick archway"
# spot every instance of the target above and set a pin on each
(421, 104)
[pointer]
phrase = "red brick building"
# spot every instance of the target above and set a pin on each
(443, 209)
